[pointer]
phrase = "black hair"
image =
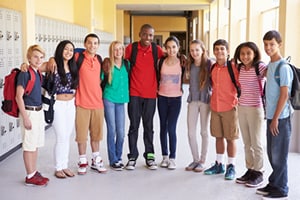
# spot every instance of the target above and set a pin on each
(253, 47)
(221, 42)
(273, 34)
(146, 26)
(93, 35)
(58, 56)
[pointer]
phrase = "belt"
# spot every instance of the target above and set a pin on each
(34, 108)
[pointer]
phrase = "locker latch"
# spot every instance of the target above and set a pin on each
(10, 126)
(8, 35)
(1, 83)
(17, 35)
(3, 131)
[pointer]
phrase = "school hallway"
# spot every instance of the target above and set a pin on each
(141, 183)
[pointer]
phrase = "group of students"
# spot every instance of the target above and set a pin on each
(81, 103)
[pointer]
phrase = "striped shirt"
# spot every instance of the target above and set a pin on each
(251, 92)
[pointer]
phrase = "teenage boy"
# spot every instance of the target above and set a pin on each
(142, 103)
(224, 121)
(32, 117)
(278, 112)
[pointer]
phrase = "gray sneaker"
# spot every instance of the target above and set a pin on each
(191, 166)
(172, 164)
(165, 162)
(199, 168)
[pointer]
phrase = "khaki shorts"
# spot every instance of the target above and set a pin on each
(224, 124)
(89, 120)
(34, 138)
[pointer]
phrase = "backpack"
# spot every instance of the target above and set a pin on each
(105, 79)
(80, 58)
(134, 54)
(295, 91)
(48, 97)
(9, 104)
(230, 71)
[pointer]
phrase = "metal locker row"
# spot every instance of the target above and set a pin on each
(10, 57)
(50, 32)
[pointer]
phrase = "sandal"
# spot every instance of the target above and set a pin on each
(60, 174)
(68, 172)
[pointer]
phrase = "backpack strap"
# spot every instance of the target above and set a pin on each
(230, 70)
(79, 60)
(134, 51)
(31, 81)
(126, 62)
(154, 54)
(277, 70)
(159, 65)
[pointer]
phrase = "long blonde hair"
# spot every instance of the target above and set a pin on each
(204, 73)
(112, 58)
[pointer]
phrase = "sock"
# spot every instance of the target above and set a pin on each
(95, 154)
(82, 159)
(220, 158)
(31, 175)
(231, 160)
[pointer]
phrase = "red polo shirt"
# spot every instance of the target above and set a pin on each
(143, 81)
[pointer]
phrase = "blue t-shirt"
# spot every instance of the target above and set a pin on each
(273, 89)
(34, 98)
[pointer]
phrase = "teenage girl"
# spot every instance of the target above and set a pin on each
(250, 111)
(115, 95)
(66, 82)
(198, 71)
(169, 101)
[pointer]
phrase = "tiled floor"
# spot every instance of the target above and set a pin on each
(140, 184)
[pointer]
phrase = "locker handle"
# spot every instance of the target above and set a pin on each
(1, 35)
(17, 35)
(1, 83)
(11, 126)
(3, 131)
(8, 35)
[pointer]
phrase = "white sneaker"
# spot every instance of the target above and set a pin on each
(165, 162)
(172, 164)
(97, 164)
(82, 168)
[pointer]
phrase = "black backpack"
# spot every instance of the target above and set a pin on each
(295, 91)
(134, 54)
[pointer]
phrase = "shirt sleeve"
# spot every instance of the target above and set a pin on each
(23, 78)
(286, 75)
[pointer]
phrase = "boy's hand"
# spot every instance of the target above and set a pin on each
(24, 67)
(51, 65)
(274, 127)
(183, 60)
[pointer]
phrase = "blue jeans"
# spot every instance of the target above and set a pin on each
(115, 122)
(140, 108)
(277, 149)
(168, 110)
